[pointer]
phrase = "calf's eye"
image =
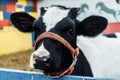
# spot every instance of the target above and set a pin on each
(70, 32)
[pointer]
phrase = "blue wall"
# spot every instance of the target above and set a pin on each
(7, 74)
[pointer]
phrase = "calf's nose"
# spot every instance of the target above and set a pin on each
(43, 58)
(42, 62)
(43, 53)
(40, 58)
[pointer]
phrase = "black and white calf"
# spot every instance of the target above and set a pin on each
(99, 56)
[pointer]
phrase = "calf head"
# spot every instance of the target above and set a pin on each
(50, 55)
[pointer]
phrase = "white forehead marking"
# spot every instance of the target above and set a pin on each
(53, 15)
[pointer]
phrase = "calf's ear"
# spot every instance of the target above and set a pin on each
(91, 26)
(22, 21)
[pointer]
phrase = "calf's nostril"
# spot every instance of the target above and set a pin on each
(36, 57)
(45, 59)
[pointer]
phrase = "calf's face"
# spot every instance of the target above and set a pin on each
(54, 55)
(50, 55)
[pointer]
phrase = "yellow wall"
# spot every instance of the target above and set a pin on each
(12, 40)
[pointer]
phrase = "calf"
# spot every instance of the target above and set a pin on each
(58, 35)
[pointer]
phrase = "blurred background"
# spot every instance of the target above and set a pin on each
(16, 47)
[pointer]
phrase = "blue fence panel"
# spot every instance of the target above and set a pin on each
(8, 74)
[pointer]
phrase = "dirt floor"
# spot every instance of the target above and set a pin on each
(18, 61)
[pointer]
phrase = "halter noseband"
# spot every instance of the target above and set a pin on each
(73, 51)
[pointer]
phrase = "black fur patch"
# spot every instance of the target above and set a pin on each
(61, 7)
(111, 35)
(82, 68)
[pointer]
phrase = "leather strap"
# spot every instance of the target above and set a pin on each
(58, 38)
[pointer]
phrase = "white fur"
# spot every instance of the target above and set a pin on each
(32, 61)
(118, 35)
(41, 51)
(53, 15)
(103, 54)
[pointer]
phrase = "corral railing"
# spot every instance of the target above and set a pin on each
(8, 74)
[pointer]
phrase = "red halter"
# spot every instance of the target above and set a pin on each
(73, 51)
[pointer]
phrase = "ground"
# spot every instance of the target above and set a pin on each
(18, 61)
